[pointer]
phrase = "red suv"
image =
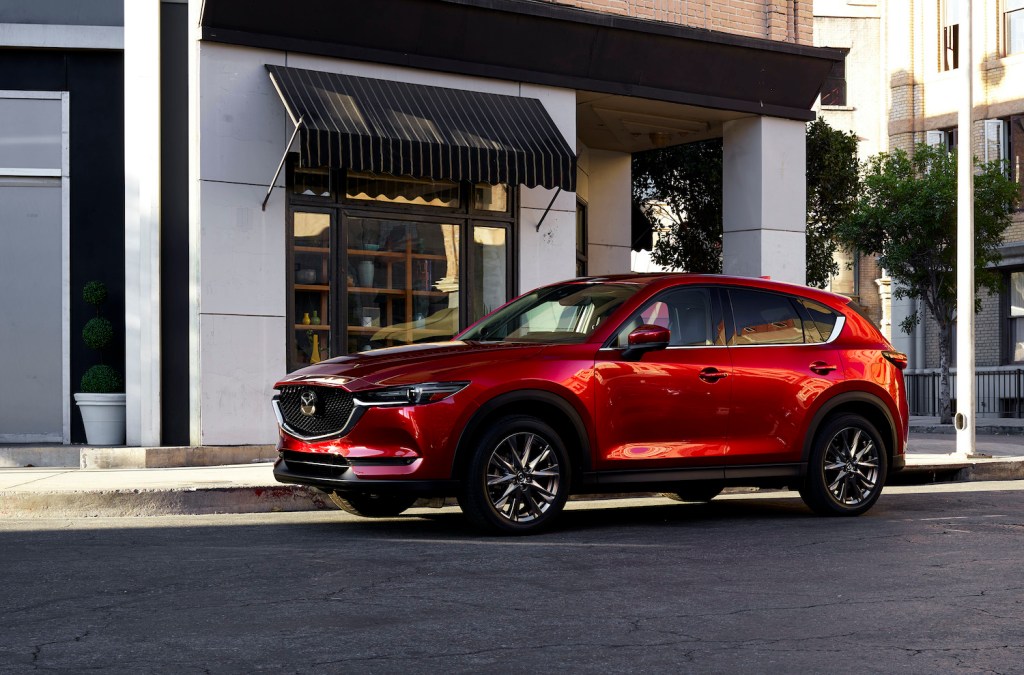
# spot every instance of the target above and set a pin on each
(670, 383)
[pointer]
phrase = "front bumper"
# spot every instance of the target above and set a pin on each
(339, 478)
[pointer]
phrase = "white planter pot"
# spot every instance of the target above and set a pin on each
(104, 417)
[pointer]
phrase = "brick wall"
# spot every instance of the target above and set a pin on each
(781, 20)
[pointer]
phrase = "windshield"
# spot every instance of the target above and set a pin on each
(565, 313)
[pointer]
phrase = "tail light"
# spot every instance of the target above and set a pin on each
(898, 359)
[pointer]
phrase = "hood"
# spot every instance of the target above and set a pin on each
(411, 364)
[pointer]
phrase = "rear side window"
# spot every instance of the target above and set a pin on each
(823, 321)
(764, 319)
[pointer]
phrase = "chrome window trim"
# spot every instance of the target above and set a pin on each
(836, 331)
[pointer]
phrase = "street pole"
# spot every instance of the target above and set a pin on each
(965, 381)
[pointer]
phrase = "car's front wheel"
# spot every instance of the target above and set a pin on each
(847, 468)
(371, 505)
(518, 478)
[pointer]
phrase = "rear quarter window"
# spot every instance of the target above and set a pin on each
(823, 321)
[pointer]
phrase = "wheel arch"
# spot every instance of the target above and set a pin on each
(553, 409)
(868, 406)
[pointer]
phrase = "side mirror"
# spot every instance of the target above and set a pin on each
(645, 338)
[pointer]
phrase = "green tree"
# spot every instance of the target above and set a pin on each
(679, 191)
(907, 215)
(833, 184)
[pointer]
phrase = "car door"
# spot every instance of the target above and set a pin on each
(781, 365)
(669, 408)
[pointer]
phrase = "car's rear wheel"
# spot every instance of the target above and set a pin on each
(847, 468)
(371, 505)
(697, 491)
(518, 478)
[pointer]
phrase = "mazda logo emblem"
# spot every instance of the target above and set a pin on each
(308, 401)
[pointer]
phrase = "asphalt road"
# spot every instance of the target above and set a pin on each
(931, 580)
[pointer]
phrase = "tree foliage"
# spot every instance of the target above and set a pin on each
(907, 215)
(833, 184)
(679, 190)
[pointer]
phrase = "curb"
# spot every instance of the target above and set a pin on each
(164, 502)
(978, 431)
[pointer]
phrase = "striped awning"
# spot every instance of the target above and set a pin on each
(381, 126)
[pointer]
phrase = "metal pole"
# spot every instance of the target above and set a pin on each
(966, 386)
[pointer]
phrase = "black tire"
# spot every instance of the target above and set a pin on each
(518, 478)
(371, 505)
(697, 491)
(847, 468)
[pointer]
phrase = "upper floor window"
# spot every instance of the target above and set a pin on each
(1004, 141)
(581, 239)
(947, 138)
(1013, 11)
(949, 15)
(1015, 317)
(834, 90)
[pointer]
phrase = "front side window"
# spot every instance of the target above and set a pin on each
(566, 313)
(1014, 26)
(764, 319)
(1015, 317)
(686, 312)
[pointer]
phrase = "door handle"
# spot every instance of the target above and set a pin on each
(821, 368)
(712, 375)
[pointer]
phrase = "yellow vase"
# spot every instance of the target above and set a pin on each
(314, 357)
(305, 319)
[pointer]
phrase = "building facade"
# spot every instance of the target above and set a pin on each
(904, 64)
(307, 181)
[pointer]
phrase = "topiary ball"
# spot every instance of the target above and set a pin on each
(98, 333)
(102, 380)
(95, 293)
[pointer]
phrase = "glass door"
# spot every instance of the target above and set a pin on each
(310, 306)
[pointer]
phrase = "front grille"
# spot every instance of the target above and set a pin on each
(321, 465)
(332, 410)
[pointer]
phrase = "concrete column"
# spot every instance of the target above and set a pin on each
(142, 220)
(764, 197)
(608, 212)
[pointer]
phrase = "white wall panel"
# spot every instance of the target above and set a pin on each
(243, 261)
(243, 124)
(550, 254)
(242, 357)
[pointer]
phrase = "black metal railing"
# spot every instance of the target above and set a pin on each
(1000, 393)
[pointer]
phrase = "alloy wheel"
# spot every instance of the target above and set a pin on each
(851, 466)
(522, 478)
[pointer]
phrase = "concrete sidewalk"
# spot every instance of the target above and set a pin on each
(251, 488)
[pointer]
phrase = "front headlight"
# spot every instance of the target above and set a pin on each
(412, 394)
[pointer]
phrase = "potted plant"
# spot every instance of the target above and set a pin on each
(102, 399)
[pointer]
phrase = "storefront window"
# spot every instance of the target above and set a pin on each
(489, 278)
(402, 281)
(403, 190)
(402, 260)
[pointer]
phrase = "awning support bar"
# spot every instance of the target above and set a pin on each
(550, 204)
(280, 166)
